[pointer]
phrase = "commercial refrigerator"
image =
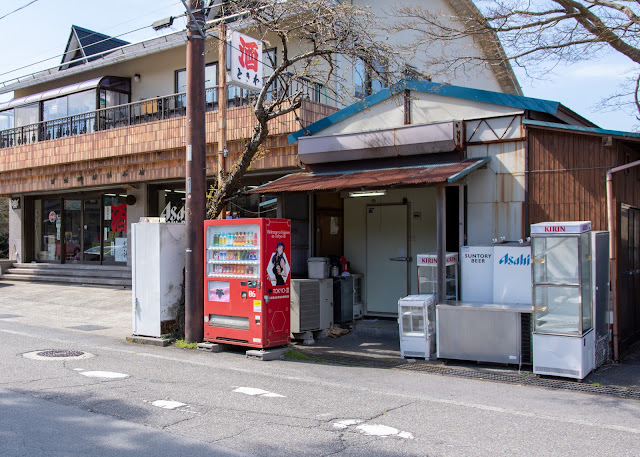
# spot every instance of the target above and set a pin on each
(247, 281)
(417, 321)
(428, 274)
(476, 274)
(512, 273)
(563, 334)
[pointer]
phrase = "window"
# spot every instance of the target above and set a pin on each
(210, 84)
(369, 78)
(6, 119)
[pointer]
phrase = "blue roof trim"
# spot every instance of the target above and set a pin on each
(469, 169)
(340, 115)
(577, 128)
(484, 96)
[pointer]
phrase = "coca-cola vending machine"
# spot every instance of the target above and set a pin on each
(247, 279)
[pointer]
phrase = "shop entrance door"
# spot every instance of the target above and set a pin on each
(72, 223)
(387, 258)
(91, 248)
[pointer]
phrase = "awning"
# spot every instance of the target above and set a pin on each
(380, 178)
(107, 82)
(409, 140)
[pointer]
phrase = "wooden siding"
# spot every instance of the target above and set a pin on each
(567, 177)
(145, 152)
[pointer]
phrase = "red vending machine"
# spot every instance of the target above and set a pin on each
(246, 284)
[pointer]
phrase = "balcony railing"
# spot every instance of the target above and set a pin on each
(149, 110)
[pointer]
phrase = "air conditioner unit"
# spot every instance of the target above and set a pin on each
(311, 305)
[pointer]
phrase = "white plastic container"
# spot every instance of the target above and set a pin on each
(318, 267)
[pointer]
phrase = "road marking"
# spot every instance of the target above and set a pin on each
(104, 374)
(255, 391)
(346, 423)
(371, 429)
(168, 404)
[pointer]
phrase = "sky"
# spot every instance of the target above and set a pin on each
(40, 31)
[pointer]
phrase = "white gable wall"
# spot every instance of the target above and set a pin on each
(426, 108)
(474, 76)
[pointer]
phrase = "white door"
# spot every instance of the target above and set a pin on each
(387, 258)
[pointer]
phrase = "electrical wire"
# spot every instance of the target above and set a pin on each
(301, 80)
(18, 9)
(57, 56)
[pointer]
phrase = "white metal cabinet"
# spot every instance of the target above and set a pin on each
(157, 266)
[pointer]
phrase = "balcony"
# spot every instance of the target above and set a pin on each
(140, 141)
(149, 110)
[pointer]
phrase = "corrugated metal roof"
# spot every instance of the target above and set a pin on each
(379, 178)
(580, 129)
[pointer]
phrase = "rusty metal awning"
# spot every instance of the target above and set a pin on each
(380, 178)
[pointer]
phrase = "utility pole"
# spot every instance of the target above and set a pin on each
(222, 108)
(195, 205)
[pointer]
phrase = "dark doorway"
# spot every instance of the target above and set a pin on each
(629, 277)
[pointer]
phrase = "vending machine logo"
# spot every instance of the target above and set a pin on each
(521, 260)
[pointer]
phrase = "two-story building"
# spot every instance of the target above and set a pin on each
(91, 145)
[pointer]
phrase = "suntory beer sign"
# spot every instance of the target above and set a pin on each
(246, 62)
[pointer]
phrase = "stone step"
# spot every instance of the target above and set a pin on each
(70, 271)
(75, 266)
(78, 279)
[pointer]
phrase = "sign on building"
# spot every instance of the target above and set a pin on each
(246, 62)
(15, 203)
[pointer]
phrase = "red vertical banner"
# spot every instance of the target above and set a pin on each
(119, 218)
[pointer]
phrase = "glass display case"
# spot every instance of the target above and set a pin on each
(563, 335)
(428, 274)
(562, 283)
(233, 251)
(417, 320)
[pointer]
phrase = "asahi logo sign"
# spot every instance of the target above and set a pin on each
(521, 260)
(172, 213)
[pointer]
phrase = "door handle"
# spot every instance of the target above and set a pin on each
(400, 259)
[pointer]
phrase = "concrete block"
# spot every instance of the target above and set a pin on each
(150, 340)
(210, 347)
(266, 354)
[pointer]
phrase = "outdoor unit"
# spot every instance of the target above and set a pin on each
(311, 305)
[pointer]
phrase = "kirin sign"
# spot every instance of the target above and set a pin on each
(246, 62)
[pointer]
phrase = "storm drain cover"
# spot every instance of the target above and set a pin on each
(57, 354)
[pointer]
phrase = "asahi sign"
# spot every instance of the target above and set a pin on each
(173, 213)
(246, 62)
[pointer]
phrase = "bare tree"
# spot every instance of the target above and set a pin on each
(309, 35)
(536, 35)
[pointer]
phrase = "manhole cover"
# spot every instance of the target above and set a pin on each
(57, 354)
(60, 353)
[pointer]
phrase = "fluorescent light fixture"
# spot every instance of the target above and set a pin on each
(368, 193)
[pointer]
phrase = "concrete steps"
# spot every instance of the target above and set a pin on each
(98, 275)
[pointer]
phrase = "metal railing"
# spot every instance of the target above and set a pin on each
(149, 110)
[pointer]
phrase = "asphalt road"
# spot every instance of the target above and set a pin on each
(107, 404)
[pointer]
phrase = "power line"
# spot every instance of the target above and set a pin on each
(18, 9)
(92, 44)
